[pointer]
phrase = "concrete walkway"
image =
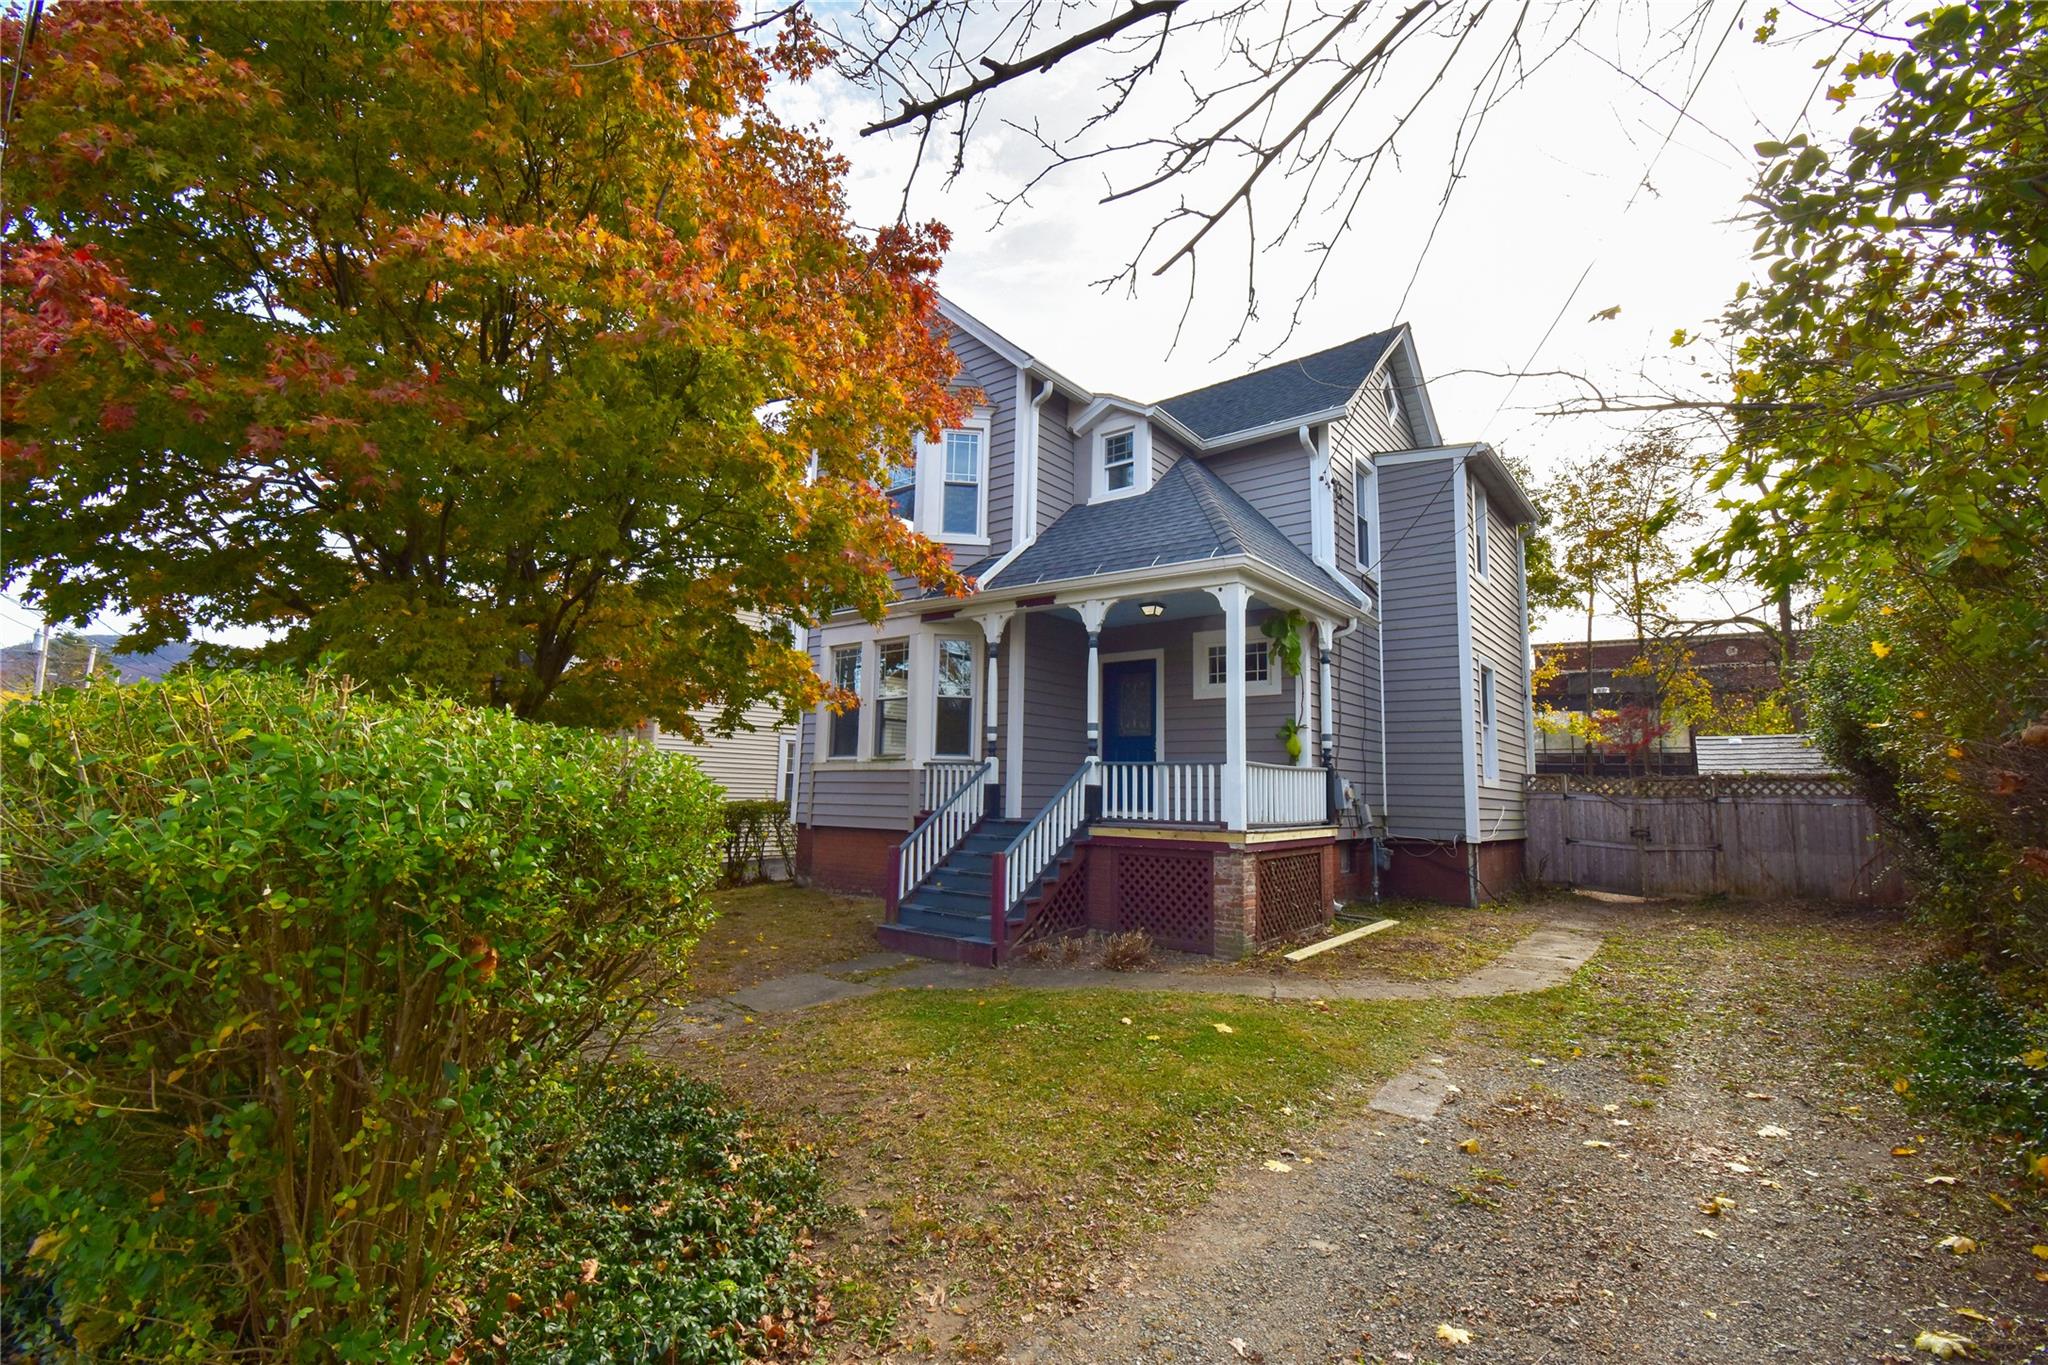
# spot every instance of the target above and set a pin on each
(1544, 959)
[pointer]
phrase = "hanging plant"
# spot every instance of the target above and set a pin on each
(1285, 633)
(1289, 734)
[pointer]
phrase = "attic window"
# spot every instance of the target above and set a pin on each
(1119, 461)
(1390, 393)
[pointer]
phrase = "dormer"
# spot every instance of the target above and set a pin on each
(1116, 435)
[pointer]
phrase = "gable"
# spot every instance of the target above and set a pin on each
(1312, 388)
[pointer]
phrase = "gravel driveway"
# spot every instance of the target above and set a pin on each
(1742, 1202)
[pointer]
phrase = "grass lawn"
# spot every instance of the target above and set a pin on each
(1431, 943)
(774, 929)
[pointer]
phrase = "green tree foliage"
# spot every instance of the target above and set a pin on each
(448, 339)
(1891, 400)
(283, 967)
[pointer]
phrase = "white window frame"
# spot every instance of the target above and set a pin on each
(1489, 727)
(828, 716)
(931, 483)
(974, 717)
(1390, 393)
(876, 699)
(1480, 558)
(1141, 461)
(890, 489)
(1364, 488)
(1204, 640)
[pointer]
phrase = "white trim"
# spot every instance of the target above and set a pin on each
(1420, 390)
(873, 709)
(1008, 350)
(1365, 478)
(826, 715)
(931, 482)
(1468, 673)
(1322, 498)
(1202, 641)
(1108, 403)
(1158, 659)
(1014, 655)
(1271, 429)
(1197, 573)
(1489, 723)
(1528, 655)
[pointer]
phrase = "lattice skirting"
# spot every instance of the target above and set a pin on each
(1168, 895)
(1691, 788)
(1290, 894)
(1065, 908)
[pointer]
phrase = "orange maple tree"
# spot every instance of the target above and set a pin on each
(442, 339)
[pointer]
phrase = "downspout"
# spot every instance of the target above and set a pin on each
(1322, 518)
(1029, 513)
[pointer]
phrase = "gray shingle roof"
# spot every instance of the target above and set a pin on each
(1291, 389)
(1188, 516)
(1776, 755)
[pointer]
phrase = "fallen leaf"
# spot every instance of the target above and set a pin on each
(1772, 1130)
(1125, 1020)
(1596, 1142)
(1770, 1184)
(1995, 1197)
(1758, 1095)
(1280, 1166)
(1942, 1345)
(1715, 1205)
(1237, 1345)
(2039, 1250)
(1470, 1146)
(587, 1270)
(1959, 1244)
(1973, 1315)
(1151, 1037)
(1224, 1028)
(1708, 1233)
(2036, 1059)
(1738, 1167)
(1901, 1085)
(1452, 1336)
(1905, 1151)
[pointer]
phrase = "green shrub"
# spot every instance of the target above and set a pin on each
(284, 968)
(667, 1232)
(755, 830)
(1975, 1055)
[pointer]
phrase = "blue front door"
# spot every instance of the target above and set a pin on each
(1130, 709)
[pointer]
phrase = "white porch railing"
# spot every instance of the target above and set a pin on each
(943, 779)
(940, 832)
(1173, 793)
(1032, 851)
(1281, 795)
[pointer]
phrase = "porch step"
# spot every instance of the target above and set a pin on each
(946, 915)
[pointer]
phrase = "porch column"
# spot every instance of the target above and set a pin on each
(992, 631)
(1234, 597)
(1092, 612)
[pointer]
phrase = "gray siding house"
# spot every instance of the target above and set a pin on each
(1231, 656)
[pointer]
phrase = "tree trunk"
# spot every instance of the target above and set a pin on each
(1589, 677)
(1787, 662)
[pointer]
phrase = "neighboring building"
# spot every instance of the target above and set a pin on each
(1099, 726)
(1739, 667)
(1761, 756)
(757, 764)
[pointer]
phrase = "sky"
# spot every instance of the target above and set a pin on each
(1582, 191)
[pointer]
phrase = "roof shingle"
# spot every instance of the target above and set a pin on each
(1291, 389)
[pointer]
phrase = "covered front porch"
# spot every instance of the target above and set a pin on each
(1178, 725)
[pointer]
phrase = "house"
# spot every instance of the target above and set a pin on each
(1108, 732)
(756, 763)
(72, 656)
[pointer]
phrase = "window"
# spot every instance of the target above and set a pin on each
(846, 724)
(1119, 461)
(961, 507)
(1390, 394)
(892, 698)
(1489, 740)
(1479, 530)
(902, 491)
(1363, 504)
(1212, 665)
(953, 718)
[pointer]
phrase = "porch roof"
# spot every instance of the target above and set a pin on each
(1188, 516)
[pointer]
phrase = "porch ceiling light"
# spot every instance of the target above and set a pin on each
(1152, 608)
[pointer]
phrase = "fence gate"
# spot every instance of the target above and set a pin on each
(1692, 836)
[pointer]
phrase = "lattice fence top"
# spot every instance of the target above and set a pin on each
(1830, 786)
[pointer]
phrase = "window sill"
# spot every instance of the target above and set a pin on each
(962, 538)
(1111, 495)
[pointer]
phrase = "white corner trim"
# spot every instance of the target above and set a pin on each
(1528, 655)
(1421, 407)
(1468, 672)
(1014, 655)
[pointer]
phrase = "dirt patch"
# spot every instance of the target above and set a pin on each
(1429, 943)
(1676, 1158)
(777, 929)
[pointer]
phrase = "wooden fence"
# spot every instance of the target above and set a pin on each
(1691, 836)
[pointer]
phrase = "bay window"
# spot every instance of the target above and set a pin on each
(845, 725)
(892, 698)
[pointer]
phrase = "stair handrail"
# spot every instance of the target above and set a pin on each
(1017, 868)
(936, 836)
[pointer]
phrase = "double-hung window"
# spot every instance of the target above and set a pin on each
(1479, 530)
(892, 698)
(1119, 461)
(1212, 665)
(953, 712)
(960, 512)
(845, 740)
(1363, 504)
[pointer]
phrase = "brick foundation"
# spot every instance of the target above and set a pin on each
(1501, 868)
(1420, 870)
(1202, 896)
(839, 859)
